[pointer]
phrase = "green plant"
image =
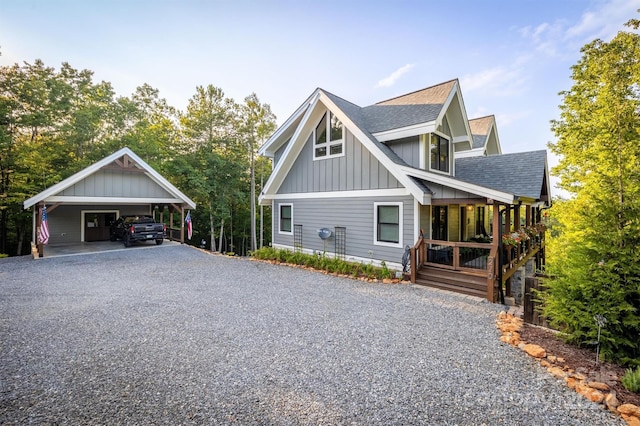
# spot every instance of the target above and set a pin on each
(385, 273)
(631, 380)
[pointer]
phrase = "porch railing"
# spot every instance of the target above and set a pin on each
(457, 256)
(476, 258)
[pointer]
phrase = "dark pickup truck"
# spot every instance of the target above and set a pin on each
(131, 229)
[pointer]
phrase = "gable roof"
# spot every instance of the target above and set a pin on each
(412, 114)
(480, 128)
(437, 94)
(497, 172)
(52, 191)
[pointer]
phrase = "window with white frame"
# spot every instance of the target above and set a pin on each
(286, 219)
(328, 137)
(387, 224)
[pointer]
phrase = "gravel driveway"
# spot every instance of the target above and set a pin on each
(177, 336)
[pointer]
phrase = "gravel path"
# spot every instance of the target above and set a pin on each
(177, 336)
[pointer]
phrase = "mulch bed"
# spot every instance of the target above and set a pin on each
(581, 360)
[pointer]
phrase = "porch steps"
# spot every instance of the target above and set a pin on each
(459, 282)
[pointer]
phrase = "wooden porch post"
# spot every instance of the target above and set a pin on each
(528, 215)
(507, 221)
(516, 218)
(171, 209)
(492, 264)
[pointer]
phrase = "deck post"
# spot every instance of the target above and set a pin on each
(490, 278)
(414, 265)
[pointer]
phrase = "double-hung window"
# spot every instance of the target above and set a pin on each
(388, 224)
(328, 137)
(439, 149)
(286, 219)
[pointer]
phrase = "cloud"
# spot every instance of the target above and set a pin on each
(498, 81)
(604, 22)
(561, 38)
(394, 76)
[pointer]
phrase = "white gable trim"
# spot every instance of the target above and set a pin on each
(405, 132)
(289, 155)
(269, 148)
(50, 193)
(392, 167)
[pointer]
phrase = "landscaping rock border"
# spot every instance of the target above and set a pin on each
(595, 391)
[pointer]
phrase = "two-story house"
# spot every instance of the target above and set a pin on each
(379, 177)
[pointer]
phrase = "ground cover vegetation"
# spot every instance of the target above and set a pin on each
(321, 261)
(55, 122)
(593, 256)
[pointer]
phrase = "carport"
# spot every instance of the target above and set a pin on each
(81, 208)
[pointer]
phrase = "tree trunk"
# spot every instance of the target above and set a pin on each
(212, 230)
(221, 234)
(254, 243)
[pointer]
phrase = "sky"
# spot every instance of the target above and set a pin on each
(512, 57)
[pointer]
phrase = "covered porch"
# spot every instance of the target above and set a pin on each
(480, 253)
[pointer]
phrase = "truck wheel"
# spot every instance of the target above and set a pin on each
(158, 242)
(126, 240)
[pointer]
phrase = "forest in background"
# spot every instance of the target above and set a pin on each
(55, 122)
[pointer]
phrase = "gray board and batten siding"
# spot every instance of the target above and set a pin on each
(117, 183)
(355, 214)
(408, 149)
(357, 170)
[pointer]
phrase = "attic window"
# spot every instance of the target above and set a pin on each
(328, 137)
(439, 153)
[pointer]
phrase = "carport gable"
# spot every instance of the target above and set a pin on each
(121, 183)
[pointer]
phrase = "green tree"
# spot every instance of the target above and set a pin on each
(212, 161)
(595, 257)
(257, 122)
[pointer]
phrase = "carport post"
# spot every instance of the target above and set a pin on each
(182, 224)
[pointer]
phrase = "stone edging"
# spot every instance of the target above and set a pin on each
(598, 392)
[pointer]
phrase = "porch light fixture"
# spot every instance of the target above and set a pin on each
(470, 207)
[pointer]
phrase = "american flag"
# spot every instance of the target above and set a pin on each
(189, 225)
(44, 227)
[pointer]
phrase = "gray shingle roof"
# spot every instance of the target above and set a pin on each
(521, 173)
(379, 118)
(478, 141)
(354, 112)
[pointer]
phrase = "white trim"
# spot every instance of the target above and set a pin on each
(400, 206)
(416, 219)
(404, 132)
(67, 199)
(362, 137)
(342, 194)
(394, 266)
(422, 151)
(82, 219)
(280, 231)
(48, 194)
(280, 171)
(269, 148)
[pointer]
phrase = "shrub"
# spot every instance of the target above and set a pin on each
(321, 261)
(631, 380)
